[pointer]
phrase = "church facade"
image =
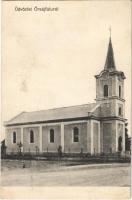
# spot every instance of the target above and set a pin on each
(92, 128)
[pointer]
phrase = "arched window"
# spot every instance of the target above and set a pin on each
(31, 136)
(51, 135)
(75, 134)
(14, 137)
(119, 91)
(105, 90)
(120, 111)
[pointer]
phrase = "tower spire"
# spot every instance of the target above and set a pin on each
(110, 62)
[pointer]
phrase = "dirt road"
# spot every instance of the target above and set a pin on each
(54, 174)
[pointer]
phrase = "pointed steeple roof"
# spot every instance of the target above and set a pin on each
(110, 62)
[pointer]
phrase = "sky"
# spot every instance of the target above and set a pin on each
(50, 59)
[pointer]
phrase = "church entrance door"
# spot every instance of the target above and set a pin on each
(120, 144)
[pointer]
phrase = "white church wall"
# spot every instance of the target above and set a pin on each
(46, 144)
(27, 145)
(12, 147)
(75, 147)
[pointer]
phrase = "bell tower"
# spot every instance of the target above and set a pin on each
(110, 84)
(110, 96)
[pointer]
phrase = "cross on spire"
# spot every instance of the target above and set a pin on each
(110, 31)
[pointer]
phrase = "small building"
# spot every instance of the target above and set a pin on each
(94, 128)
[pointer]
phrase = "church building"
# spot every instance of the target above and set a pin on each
(92, 128)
